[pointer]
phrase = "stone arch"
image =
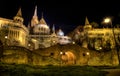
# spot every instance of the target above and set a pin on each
(68, 57)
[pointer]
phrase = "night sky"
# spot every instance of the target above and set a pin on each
(64, 14)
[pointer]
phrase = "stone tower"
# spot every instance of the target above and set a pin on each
(87, 27)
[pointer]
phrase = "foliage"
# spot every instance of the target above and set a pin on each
(28, 70)
(99, 45)
(94, 24)
(117, 25)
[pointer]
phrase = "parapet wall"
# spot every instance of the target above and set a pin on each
(82, 56)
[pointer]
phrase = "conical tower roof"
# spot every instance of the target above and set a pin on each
(34, 20)
(19, 13)
(53, 29)
(35, 12)
(42, 20)
(35, 16)
(18, 17)
(86, 21)
(87, 25)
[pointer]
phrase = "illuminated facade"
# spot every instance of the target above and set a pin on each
(41, 36)
(98, 38)
(37, 35)
(14, 32)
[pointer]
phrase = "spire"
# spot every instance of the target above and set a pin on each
(42, 20)
(35, 12)
(87, 25)
(42, 15)
(28, 26)
(86, 21)
(34, 20)
(53, 29)
(19, 13)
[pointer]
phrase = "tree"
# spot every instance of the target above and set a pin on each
(94, 24)
(108, 45)
(117, 25)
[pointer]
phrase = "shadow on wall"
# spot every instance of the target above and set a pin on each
(1, 48)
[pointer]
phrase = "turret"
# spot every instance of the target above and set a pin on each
(42, 20)
(18, 18)
(87, 25)
(42, 27)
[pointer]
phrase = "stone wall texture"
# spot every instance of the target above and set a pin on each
(59, 55)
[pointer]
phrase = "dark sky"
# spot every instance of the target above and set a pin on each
(65, 14)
